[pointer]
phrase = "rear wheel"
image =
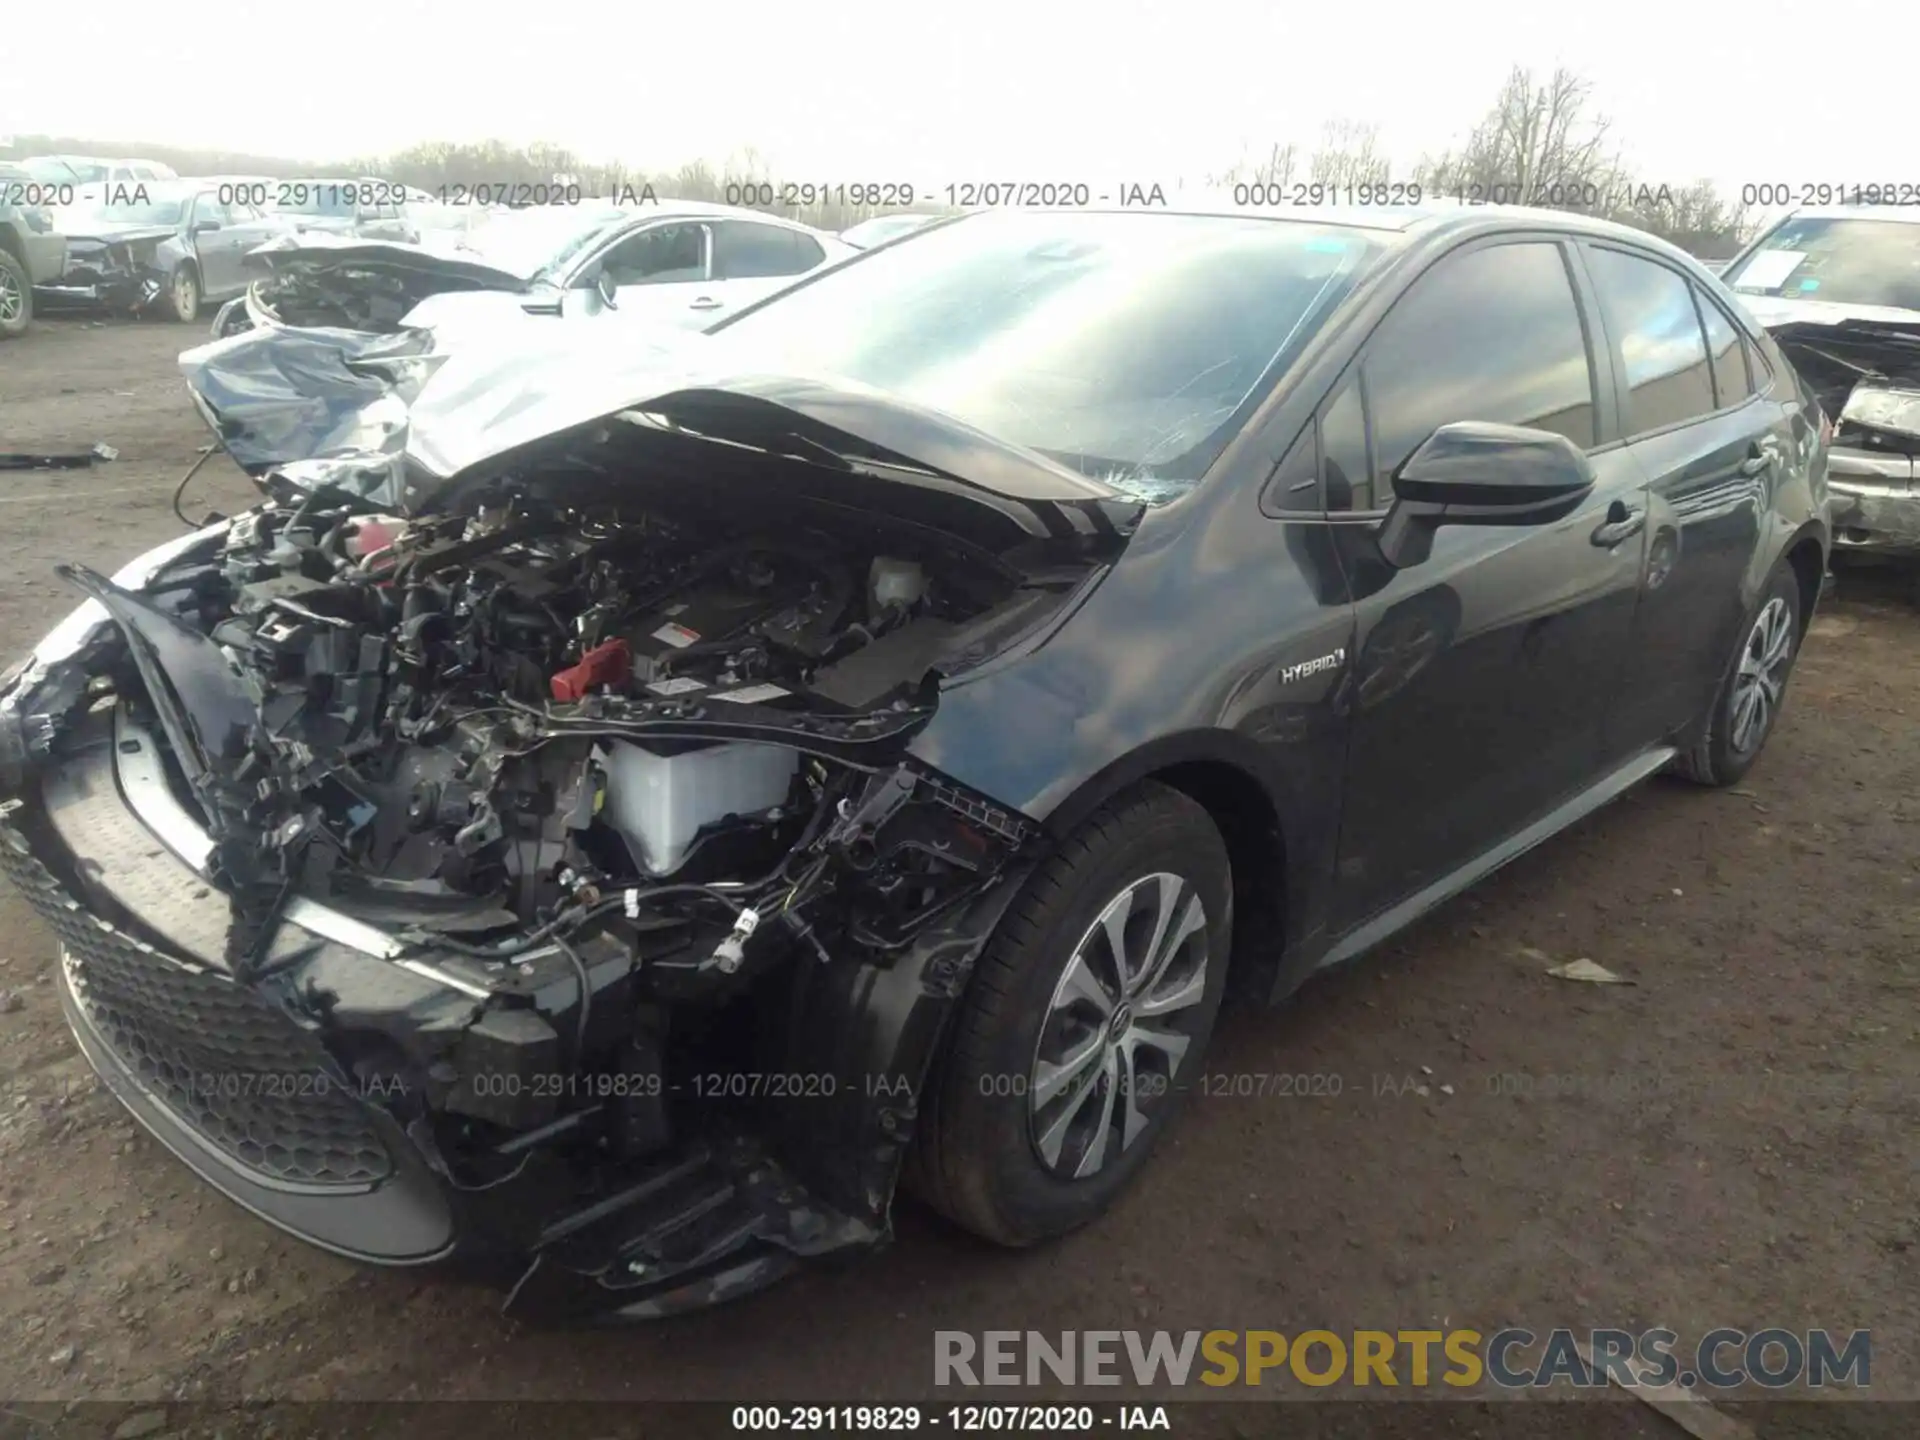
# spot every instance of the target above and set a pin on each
(1748, 705)
(16, 296)
(1085, 1022)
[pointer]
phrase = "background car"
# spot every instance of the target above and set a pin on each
(166, 253)
(882, 228)
(369, 209)
(32, 252)
(679, 264)
(92, 170)
(1839, 289)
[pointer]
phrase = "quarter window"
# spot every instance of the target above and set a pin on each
(1650, 309)
(1493, 334)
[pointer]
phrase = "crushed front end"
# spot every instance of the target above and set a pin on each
(122, 273)
(1866, 375)
(543, 885)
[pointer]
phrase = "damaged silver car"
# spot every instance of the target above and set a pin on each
(1839, 289)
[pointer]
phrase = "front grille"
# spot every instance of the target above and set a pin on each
(219, 1057)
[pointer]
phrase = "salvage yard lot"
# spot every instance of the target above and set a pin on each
(1725, 1143)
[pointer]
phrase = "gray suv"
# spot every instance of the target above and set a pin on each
(31, 251)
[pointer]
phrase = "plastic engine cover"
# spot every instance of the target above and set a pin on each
(660, 803)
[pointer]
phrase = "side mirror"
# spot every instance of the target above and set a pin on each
(608, 291)
(1476, 473)
(205, 227)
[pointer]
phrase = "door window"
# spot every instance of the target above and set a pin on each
(1731, 381)
(743, 250)
(208, 207)
(1650, 309)
(1490, 334)
(659, 255)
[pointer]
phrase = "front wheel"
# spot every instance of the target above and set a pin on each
(1748, 705)
(183, 295)
(16, 297)
(1085, 1022)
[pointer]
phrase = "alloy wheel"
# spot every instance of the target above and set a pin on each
(1762, 676)
(186, 295)
(13, 301)
(1116, 1028)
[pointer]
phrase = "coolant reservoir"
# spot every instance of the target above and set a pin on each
(660, 803)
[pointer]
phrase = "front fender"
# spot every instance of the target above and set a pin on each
(864, 1038)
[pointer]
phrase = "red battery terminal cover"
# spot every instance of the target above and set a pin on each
(610, 663)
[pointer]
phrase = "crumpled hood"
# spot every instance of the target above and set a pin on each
(1775, 312)
(112, 234)
(315, 251)
(398, 419)
(1863, 362)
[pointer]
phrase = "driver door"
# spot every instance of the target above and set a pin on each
(655, 271)
(216, 250)
(1483, 675)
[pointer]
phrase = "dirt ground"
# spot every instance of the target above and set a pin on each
(1726, 1142)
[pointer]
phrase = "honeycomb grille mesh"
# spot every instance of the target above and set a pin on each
(223, 1060)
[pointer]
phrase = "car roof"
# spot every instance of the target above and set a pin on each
(1898, 214)
(706, 209)
(1407, 222)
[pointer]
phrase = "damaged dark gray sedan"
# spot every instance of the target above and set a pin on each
(615, 811)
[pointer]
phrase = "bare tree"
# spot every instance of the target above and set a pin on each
(1279, 166)
(1538, 145)
(1348, 156)
(1695, 217)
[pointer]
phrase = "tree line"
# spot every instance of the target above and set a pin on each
(1541, 143)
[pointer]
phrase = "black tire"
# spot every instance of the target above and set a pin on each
(16, 296)
(181, 302)
(1715, 758)
(977, 1157)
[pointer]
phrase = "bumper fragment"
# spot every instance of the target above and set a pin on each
(1873, 501)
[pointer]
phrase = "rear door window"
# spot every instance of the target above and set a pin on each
(743, 250)
(1650, 311)
(1492, 334)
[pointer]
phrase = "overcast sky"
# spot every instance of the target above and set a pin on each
(855, 90)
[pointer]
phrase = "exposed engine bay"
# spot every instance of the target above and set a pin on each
(484, 727)
(366, 286)
(1866, 375)
(515, 839)
(127, 273)
(633, 782)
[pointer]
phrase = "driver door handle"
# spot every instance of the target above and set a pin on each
(1621, 524)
